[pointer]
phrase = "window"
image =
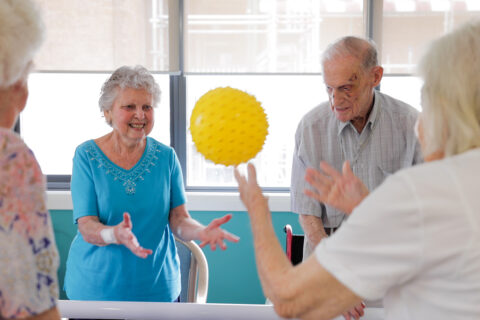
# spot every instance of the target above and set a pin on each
(62, 111)
(420, 21)
(285, 98)
(268, 48)
(79, 54)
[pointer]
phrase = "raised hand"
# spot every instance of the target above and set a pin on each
(123, 233)
(213, 235)
(250, 192)
(343, 191)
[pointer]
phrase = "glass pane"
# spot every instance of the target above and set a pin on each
(285, 100)
(406, 89)
(62, 112)
(420, 21)
(104, 35)
(265, 35)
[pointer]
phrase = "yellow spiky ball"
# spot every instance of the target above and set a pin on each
(228, 126)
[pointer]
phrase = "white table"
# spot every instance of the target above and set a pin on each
(164, 311)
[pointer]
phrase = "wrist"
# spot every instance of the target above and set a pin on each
(108, 236)
(258, 202)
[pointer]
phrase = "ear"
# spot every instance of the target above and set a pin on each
(377, 74)
(20, 94)
(108, 116)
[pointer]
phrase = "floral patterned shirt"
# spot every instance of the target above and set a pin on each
(28, 254)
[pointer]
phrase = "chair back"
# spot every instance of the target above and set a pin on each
(194, 272)
(294, 245)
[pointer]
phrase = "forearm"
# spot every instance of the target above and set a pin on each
(50, 314)
(306, 291)
(183, 225)
(272, 263)
(313, 228)
(188, 229)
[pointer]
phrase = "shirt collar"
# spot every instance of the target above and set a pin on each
(372, 119)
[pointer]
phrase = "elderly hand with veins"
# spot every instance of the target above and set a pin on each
(343, 191)
(213, 235)
(124, 235)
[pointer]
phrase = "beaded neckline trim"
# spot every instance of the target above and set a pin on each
(128, 178)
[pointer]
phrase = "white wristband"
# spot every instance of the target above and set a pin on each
(108, 236)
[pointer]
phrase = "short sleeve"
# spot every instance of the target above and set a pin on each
(84, 197)
(28, 255)
(177, 190)
(380, 245)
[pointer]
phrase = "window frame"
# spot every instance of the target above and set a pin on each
(373, 15)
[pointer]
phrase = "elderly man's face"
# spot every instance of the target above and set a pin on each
(349, 87)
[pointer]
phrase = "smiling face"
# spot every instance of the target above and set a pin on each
(131, 115)
(350, 88)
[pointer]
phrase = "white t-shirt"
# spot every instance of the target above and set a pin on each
(415, 242)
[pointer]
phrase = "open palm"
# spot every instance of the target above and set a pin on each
(343, 191)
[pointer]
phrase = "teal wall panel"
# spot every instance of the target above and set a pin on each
(233, 274)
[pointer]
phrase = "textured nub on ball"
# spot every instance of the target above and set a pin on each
(228, 126)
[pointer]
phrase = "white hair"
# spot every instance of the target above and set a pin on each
(363, 49)
(451, 91)
(136, 77)
(21, 34)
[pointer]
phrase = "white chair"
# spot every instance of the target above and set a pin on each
(194, 271)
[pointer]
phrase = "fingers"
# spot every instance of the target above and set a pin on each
(215, 223)
(347, 170)
(314, 195)
(329, 170)
(141, 252)
(127, 221)
(252, 173)
(218, 237)
(318, 180)
(136, 249)
(221, 244)
(230, 236)
(239, 177)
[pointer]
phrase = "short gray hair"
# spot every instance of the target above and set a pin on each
(451, 91)
(363, 49)
(136, 77)
(21, 34)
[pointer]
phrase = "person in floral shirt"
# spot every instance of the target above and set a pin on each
(28, 255)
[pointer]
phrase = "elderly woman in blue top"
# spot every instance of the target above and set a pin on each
(127, 190)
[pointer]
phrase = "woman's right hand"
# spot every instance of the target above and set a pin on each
(123, 233)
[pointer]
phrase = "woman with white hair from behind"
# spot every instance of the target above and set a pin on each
(415, 240)
(28, 256)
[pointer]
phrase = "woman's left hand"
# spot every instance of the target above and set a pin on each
(213, 235)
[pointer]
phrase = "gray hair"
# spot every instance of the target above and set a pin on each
(136, 77)
(451, 91)
(21, 34)
(363, 49)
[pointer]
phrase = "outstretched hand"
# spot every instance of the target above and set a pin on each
(213, 235)
(250, 192)
(123, 233)
(343, 191)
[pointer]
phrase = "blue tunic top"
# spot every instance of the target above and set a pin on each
(148, 192)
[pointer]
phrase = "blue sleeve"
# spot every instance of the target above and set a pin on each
(84, 197)
(177, 190)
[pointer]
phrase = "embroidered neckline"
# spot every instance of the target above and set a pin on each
(128, 178)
